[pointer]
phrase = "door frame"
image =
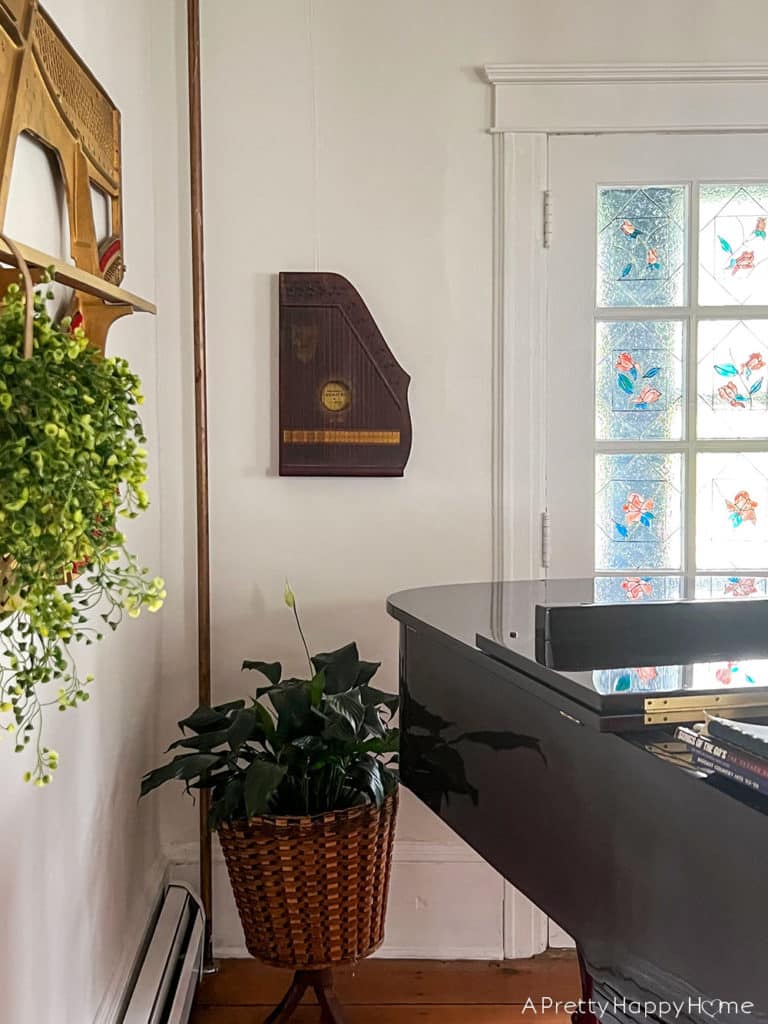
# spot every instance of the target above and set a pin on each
(531, 102)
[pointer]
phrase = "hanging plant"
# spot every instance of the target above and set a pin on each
(71, 465)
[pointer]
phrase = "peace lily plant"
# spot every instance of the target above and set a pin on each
(297, 747)
(71, 464)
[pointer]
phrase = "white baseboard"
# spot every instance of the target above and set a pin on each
(136, 933)
(440, 892)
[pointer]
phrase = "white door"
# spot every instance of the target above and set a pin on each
(657, 361)
(658, 344)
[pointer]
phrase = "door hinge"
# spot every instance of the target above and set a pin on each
(546, 540)
(547, 222)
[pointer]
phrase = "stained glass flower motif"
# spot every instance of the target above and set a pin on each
(742, 674)
(639, 380)
(731, 586)
(733, 250)
(645, 679)
(732, 378)
(638, 520)
(641, 246)
(732, 510)
(636, 588)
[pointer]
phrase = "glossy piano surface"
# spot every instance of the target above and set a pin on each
(657, 872)
(611, 646)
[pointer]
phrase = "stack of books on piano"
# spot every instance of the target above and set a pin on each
(736, 750)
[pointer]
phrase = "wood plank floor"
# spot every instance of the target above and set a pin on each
(401, 992)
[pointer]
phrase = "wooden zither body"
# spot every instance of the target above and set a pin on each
(343, 396)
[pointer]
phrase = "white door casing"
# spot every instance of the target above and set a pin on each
(530, 104)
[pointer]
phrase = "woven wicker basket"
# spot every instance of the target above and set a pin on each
(312, 892)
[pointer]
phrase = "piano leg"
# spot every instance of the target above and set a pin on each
(584, 1015)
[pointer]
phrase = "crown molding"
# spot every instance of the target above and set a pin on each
(597, 74)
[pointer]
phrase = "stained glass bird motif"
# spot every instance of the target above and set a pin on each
(652, 259)
(744, 262)
(742, 509)
(629, 229)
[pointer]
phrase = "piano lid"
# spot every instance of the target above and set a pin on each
(638, 650)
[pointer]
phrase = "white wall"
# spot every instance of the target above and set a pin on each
(80, 864)
(350, 135)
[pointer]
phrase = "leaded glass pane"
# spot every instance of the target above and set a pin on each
(710, 676)
(612, 589)
(732, 510)
(639, 373)
(720, 587)
(638, 680)
(733, 252)
(638, 521)
(733, 378)
(641, 246)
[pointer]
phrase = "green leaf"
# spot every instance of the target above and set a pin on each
(348, 707)
(293, 703)
(233, 705)
(184, 767)
(341, 668)
(261, 781)
(204, 719)
(368, 670)
(366, 777)
(373, 722)
(725, 245)
(373, 696)
(272, 670)
(205, 741)
(246, 726)
(229, 803)
(626, 384)
(387, 744)
(727, 370)
(265, 720)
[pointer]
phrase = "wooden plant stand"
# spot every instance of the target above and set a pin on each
(322, 983)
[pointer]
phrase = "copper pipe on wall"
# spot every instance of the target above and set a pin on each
(201, 439)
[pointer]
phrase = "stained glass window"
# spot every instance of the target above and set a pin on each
(638, 521)
(681, 476)
(639, 380)
(733, 378)
(732, 510)
(641, 246)
(733, 251)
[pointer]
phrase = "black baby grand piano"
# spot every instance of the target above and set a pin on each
(539, 724)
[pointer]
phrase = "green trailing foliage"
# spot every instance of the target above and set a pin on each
(72, 463)
(298, 747)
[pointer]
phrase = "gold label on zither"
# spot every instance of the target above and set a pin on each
(383, 437)
(335, 396)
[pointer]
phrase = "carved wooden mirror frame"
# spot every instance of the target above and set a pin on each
(47, 92)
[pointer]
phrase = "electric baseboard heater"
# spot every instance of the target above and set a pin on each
(172, 966)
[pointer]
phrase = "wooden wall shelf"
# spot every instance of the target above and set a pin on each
(78, 279)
